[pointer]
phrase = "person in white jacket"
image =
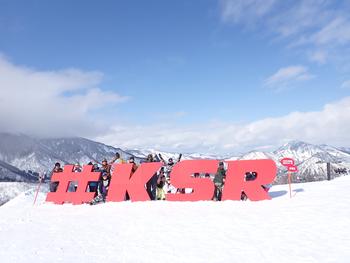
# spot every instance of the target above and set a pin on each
(169, 164)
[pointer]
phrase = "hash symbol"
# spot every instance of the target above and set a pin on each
(64, 178)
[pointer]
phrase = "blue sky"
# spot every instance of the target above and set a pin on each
(165, 72)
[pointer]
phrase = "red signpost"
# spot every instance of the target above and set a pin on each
(289, 163)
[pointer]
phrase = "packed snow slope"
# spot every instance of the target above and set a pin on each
(313, 226)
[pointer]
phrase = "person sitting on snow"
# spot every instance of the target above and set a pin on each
(102, 189)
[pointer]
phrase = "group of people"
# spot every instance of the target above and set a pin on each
(341, 171)
(157, 187)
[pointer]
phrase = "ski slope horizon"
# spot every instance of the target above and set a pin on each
(310, 227)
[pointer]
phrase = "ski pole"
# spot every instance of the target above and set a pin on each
(37, 191)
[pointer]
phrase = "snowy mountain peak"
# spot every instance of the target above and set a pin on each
(39, 155)
(253, 155)
(22, 156)
(298, 150)
(295, 146)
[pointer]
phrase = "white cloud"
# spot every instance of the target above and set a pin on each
(242, 10)
(284, 77)
(51, 103)
(330, 125)
(335, 32)
(298, 18)
(307, 26)
(59, 103)
(346, 84)
(319, 56)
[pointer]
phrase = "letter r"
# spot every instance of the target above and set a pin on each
(235, 183)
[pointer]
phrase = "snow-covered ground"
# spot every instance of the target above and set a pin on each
(313, 226)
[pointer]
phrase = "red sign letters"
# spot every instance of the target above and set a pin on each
(181, 177)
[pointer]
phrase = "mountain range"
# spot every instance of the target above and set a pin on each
(23, 157)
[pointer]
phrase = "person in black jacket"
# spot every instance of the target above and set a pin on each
(151, 185)
(102, 189)
(219, 181)
(56, 169)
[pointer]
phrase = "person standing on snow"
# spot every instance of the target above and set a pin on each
(108, 166)
(117, 159)
(151, 185)
(105, 166)
(219, 181)
(170, 164)
(133, 170)
(149, 159)
(160, 185)
(93, 185)
(134, 165)
(56, 169)
(74, 185)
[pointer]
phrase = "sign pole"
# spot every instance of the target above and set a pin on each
(290, 186)
(291, 168)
